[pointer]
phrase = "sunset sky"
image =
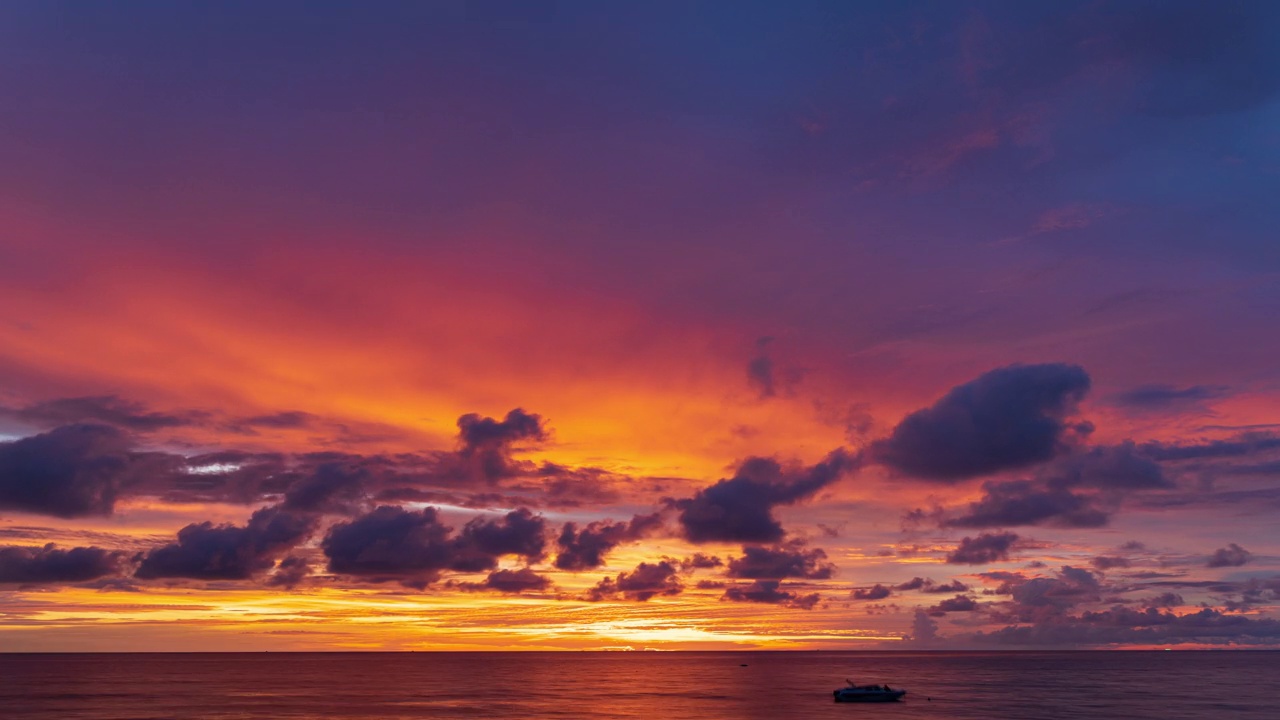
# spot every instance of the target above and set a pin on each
(538, 324)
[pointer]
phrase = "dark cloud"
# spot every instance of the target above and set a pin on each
(586, 548)
(227, 552)
(413, 548)
(1151, 626)
(700, 561)
(1161, 397)
(769, 591)
(647, 580)
(740, 509)
(333, 487)
(1025, 502)
(100, 409)
(511, 581)
(1163, 600)
(1041, 597)
(765, 378)
(1105, 562)
(72, 471)
(290, 572)
(48, 564)
(287, 420)
(1230, 556)
(778, 562)
(1007, 418)
(983, 550)
(959, 603)
(1242, 445)
(875, 592)
(486, 443)
(1080, 490)
(929, 586)
(519, 532)
(760, 370)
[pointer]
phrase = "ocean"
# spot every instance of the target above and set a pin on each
(1222, 685)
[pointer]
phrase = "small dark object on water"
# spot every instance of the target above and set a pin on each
(743, 665)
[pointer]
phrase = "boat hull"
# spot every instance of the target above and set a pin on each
(864, 697)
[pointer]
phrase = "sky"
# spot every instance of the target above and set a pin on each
(553, 325)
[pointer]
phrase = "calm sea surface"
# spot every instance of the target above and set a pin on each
(1035, 686)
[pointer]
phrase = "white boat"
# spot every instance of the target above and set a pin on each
(867, 693)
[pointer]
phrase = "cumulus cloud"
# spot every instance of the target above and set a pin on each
(289, 572)
(49, 564)
(413, 548)
(929, 586)
(740, 509)
(700, 561)
(647, 580)
(1080, 490)
(1230, 556)
(71, 471)
(784, 561)
(585, 548)
(332, 487)
(983, 549)
(206, 551)
(1007, 418)
(875, 592)
(959, 603)
(770, 591)
(511, 581)
(486, 443)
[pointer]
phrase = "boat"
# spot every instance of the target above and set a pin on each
(867, 693)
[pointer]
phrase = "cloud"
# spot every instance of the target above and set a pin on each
(71, 471)
(929, 586)
(780, 562)
(100, 409)
(486, 444)
(983, 550)
(769, 591)
(1104, 562)
(924, 629)
(48, 564)
(740, 509)
(1230, 556)
(1161, 397)
(511, 581)
(875, 592)
(959, 603)
(519, 532)
(1151, 626)
(1041, 597)
(413, 548)
(286, 420)
(763, 375)
(1242, 445)
(289, 573)
(332, 487)
(586, 548)
(206, 551)
(647, 580)
(1005, 419)
(1080, 490)
(1025, 502)
(700, 561)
